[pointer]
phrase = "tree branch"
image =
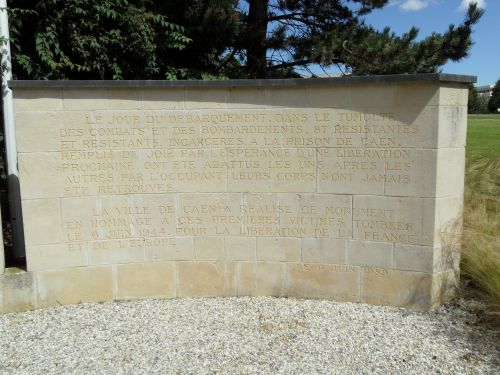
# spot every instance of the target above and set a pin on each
(290, 64)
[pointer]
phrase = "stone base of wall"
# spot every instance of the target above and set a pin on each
(22, 291)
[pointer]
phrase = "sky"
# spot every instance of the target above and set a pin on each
(435, 16)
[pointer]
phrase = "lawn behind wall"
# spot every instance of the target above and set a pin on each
(481, 237)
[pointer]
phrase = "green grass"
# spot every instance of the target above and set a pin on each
(483, 135)
(481, 226)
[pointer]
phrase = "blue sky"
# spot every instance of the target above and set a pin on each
(436, 15)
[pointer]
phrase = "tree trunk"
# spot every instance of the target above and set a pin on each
(256, 38)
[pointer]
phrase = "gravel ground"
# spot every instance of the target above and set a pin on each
(245, 335)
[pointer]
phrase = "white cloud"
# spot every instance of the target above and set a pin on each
(414, 5)
(464, 5)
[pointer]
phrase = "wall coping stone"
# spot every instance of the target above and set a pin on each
(428, 77)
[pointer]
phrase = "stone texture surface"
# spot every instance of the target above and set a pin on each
(18, 291)
(74, 285)
(348, 191)
(145, 280)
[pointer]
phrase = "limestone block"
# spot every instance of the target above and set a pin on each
(209, 248)
(155, 215)
(185, 170)
(316, 215)
(241, 248)
(74, 285)
(171, 99)
(86, 99)
(414, 174)
(206, 98)
(368, 253)
(201, 279)
(56, 256)
(174, 129)
(295, 174)
(38, 131)
(304, 128)
(103, 173)
(124, 98)
(356, 170)
(453, 94)
(248, 170)
(248, 97)
(42, 221)
(418, 94)
(279, 249)
(394, 219)
(412, 290)
(330, 97)
(204, 214)
(37, 100)
(17, 291)
(170, 248)
(261, 279)
(452, 129)
(388, 127)
(260, 215)
(98, 218)
(121, 130)
(331, 281)
(324, 250)
(417, 258)
(116, 251)
(348, 126)
(41, 176)
(238, 128)
(372, 95)
(448, 223)
(450, 172)
(153, 280)
(231, 279)
(290, 97)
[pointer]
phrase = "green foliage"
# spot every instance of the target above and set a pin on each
(103, 39)
(182, 39)
(213, 27)
(472, 100)
(494, 102)
(326, 32)
(477, 103)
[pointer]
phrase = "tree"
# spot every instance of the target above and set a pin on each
(494, 102)
(105, 39)
(168, 39)
(279, 35)
(472, 103)
(477, 103)
(213, 26)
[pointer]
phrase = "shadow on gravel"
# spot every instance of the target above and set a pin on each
(480, 323)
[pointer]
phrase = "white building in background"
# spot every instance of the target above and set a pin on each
(485, 91)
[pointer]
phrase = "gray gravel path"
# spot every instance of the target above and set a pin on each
(244, 336)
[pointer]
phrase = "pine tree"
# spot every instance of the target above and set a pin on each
(280, 35)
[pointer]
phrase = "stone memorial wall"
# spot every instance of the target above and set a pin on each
(347, 189)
